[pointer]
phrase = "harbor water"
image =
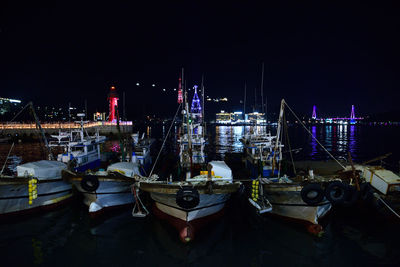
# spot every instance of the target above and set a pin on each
(352, 237)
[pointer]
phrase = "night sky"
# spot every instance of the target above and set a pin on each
(331, 55)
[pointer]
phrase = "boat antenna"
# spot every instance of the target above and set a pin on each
(262, 88)
(204, 104)
(244, 102)
(278, 132)
(41, 130)
(86, 109)
(165, 139)
(255, 99)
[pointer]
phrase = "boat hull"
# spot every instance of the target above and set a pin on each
(286, 202)
(14, 195)
(109, 195)
(189, 221)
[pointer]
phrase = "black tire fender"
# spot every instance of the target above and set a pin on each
(90, 183)
(312, 194)
(337, 192)
(187, 197)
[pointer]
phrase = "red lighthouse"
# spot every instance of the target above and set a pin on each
(113, 104)
(180, 98)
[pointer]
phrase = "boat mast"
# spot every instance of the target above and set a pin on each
(262, 88)
(41, 130)
(189, 133)
(203, 118)
(244, 102)
(278, 131)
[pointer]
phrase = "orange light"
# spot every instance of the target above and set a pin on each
(112, 87)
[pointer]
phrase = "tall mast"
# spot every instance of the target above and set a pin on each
(50, 155)
(266, 117)
(255, 99)
(278, 132)
(86, 108)
(202, 92)
(244, 102)
(262, 88)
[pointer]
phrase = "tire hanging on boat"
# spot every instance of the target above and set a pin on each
(90, 183)
(337, 192)
(312, 194)
(187, 197)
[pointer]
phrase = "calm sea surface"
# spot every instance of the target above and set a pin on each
(67, 237)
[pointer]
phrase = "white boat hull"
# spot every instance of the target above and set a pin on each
(109, 194)
(208, 205)
(14, 198)
(289, 204)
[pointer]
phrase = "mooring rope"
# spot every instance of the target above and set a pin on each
(5, 162)
(314, 136)
(165, 139)
(378, 197)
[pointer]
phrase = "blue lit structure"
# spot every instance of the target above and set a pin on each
(196, 107)
(314, 113)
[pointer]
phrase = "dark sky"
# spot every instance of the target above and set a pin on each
(328, 54)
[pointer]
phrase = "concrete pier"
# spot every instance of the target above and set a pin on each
(104, 127)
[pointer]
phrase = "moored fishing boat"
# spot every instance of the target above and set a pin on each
(81, 151)
(36, 186)
(190, 204)
(299, 198)
(105, 190)
(190, 201)
(32, 186)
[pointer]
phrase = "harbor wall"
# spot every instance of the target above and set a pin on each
(104, 128)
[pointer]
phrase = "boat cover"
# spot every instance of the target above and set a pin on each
(221, 169)
(128, 169)
(42, 170)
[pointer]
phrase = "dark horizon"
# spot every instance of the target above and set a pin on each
(329, 55)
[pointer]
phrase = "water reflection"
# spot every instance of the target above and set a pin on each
(352, 141)
(313, 141)
(337, 139)
(342, 139)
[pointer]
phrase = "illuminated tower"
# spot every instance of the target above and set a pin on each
(352, 115)
(180, 98)
(196, 107)
(314, 113)
(113, 104)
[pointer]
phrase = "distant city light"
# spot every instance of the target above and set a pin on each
(174, 89)
(11, 100)
(137, 84)
(163, 89)
(153, 85)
